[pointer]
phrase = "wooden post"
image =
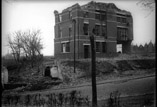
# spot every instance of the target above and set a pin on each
(93, 68)
(74, 41)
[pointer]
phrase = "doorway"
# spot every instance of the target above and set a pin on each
(119, 48)
(47, 71)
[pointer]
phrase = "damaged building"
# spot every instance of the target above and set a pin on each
(113, 30)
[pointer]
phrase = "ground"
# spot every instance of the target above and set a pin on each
(129, 74)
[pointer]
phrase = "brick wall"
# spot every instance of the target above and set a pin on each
(81, 39)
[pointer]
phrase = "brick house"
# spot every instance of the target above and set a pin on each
(113, 28)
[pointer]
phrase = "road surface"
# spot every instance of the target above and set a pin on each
(127, 87)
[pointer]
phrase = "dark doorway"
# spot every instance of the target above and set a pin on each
(86, 51)
(47, 71)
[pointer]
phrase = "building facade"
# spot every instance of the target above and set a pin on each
(110, 26)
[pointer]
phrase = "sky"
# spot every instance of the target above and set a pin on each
(34, 14)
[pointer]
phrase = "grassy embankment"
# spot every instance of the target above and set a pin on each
(106, 69)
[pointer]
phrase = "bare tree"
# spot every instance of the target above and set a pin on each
(15, 45)
(26, 44)
(148, 5)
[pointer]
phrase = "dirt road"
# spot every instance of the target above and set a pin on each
(127, 87)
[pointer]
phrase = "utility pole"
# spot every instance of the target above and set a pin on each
(74, 21)
(93, 68)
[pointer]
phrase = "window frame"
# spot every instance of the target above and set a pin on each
(104, 33)
(103, 17)
(60, 18)
(121, 19)
(60, 32)
(97, 30)
(122, 33)
(85, 32)
(104, 50)
(70, 31)
(97, 18)
(86, 14)
(65, 47)
(97, 47)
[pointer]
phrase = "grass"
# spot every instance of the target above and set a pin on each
(132, 93)
(105, 69)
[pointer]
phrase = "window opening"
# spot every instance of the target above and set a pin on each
(65, 47)
(85, 28)
(97, 46)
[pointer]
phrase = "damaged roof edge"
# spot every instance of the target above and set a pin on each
(71, 7)
(98, 5)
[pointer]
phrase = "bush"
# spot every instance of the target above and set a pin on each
(10, 64)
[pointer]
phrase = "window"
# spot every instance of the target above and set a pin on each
(122, 33)
(100, 15)
(70, 31)
(60, 18)
(86, 14)
(103, 17)
(70, 15)
(97, 46)
(97, 30)
(65, 47)
(85, 28)
(121, 20)
(68, 47)
(60, 32)
(103, 47)
(104, 31)
(118, 19)
(97, 16)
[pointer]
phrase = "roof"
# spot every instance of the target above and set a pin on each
(98, 6)
(71, 7)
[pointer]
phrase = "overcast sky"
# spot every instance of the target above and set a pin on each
(33, 15)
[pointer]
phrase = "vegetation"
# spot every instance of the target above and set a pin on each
(146, 48)
(25, 55)
(69, 99)
(148, 5)
(26, 47)
(105, 69)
